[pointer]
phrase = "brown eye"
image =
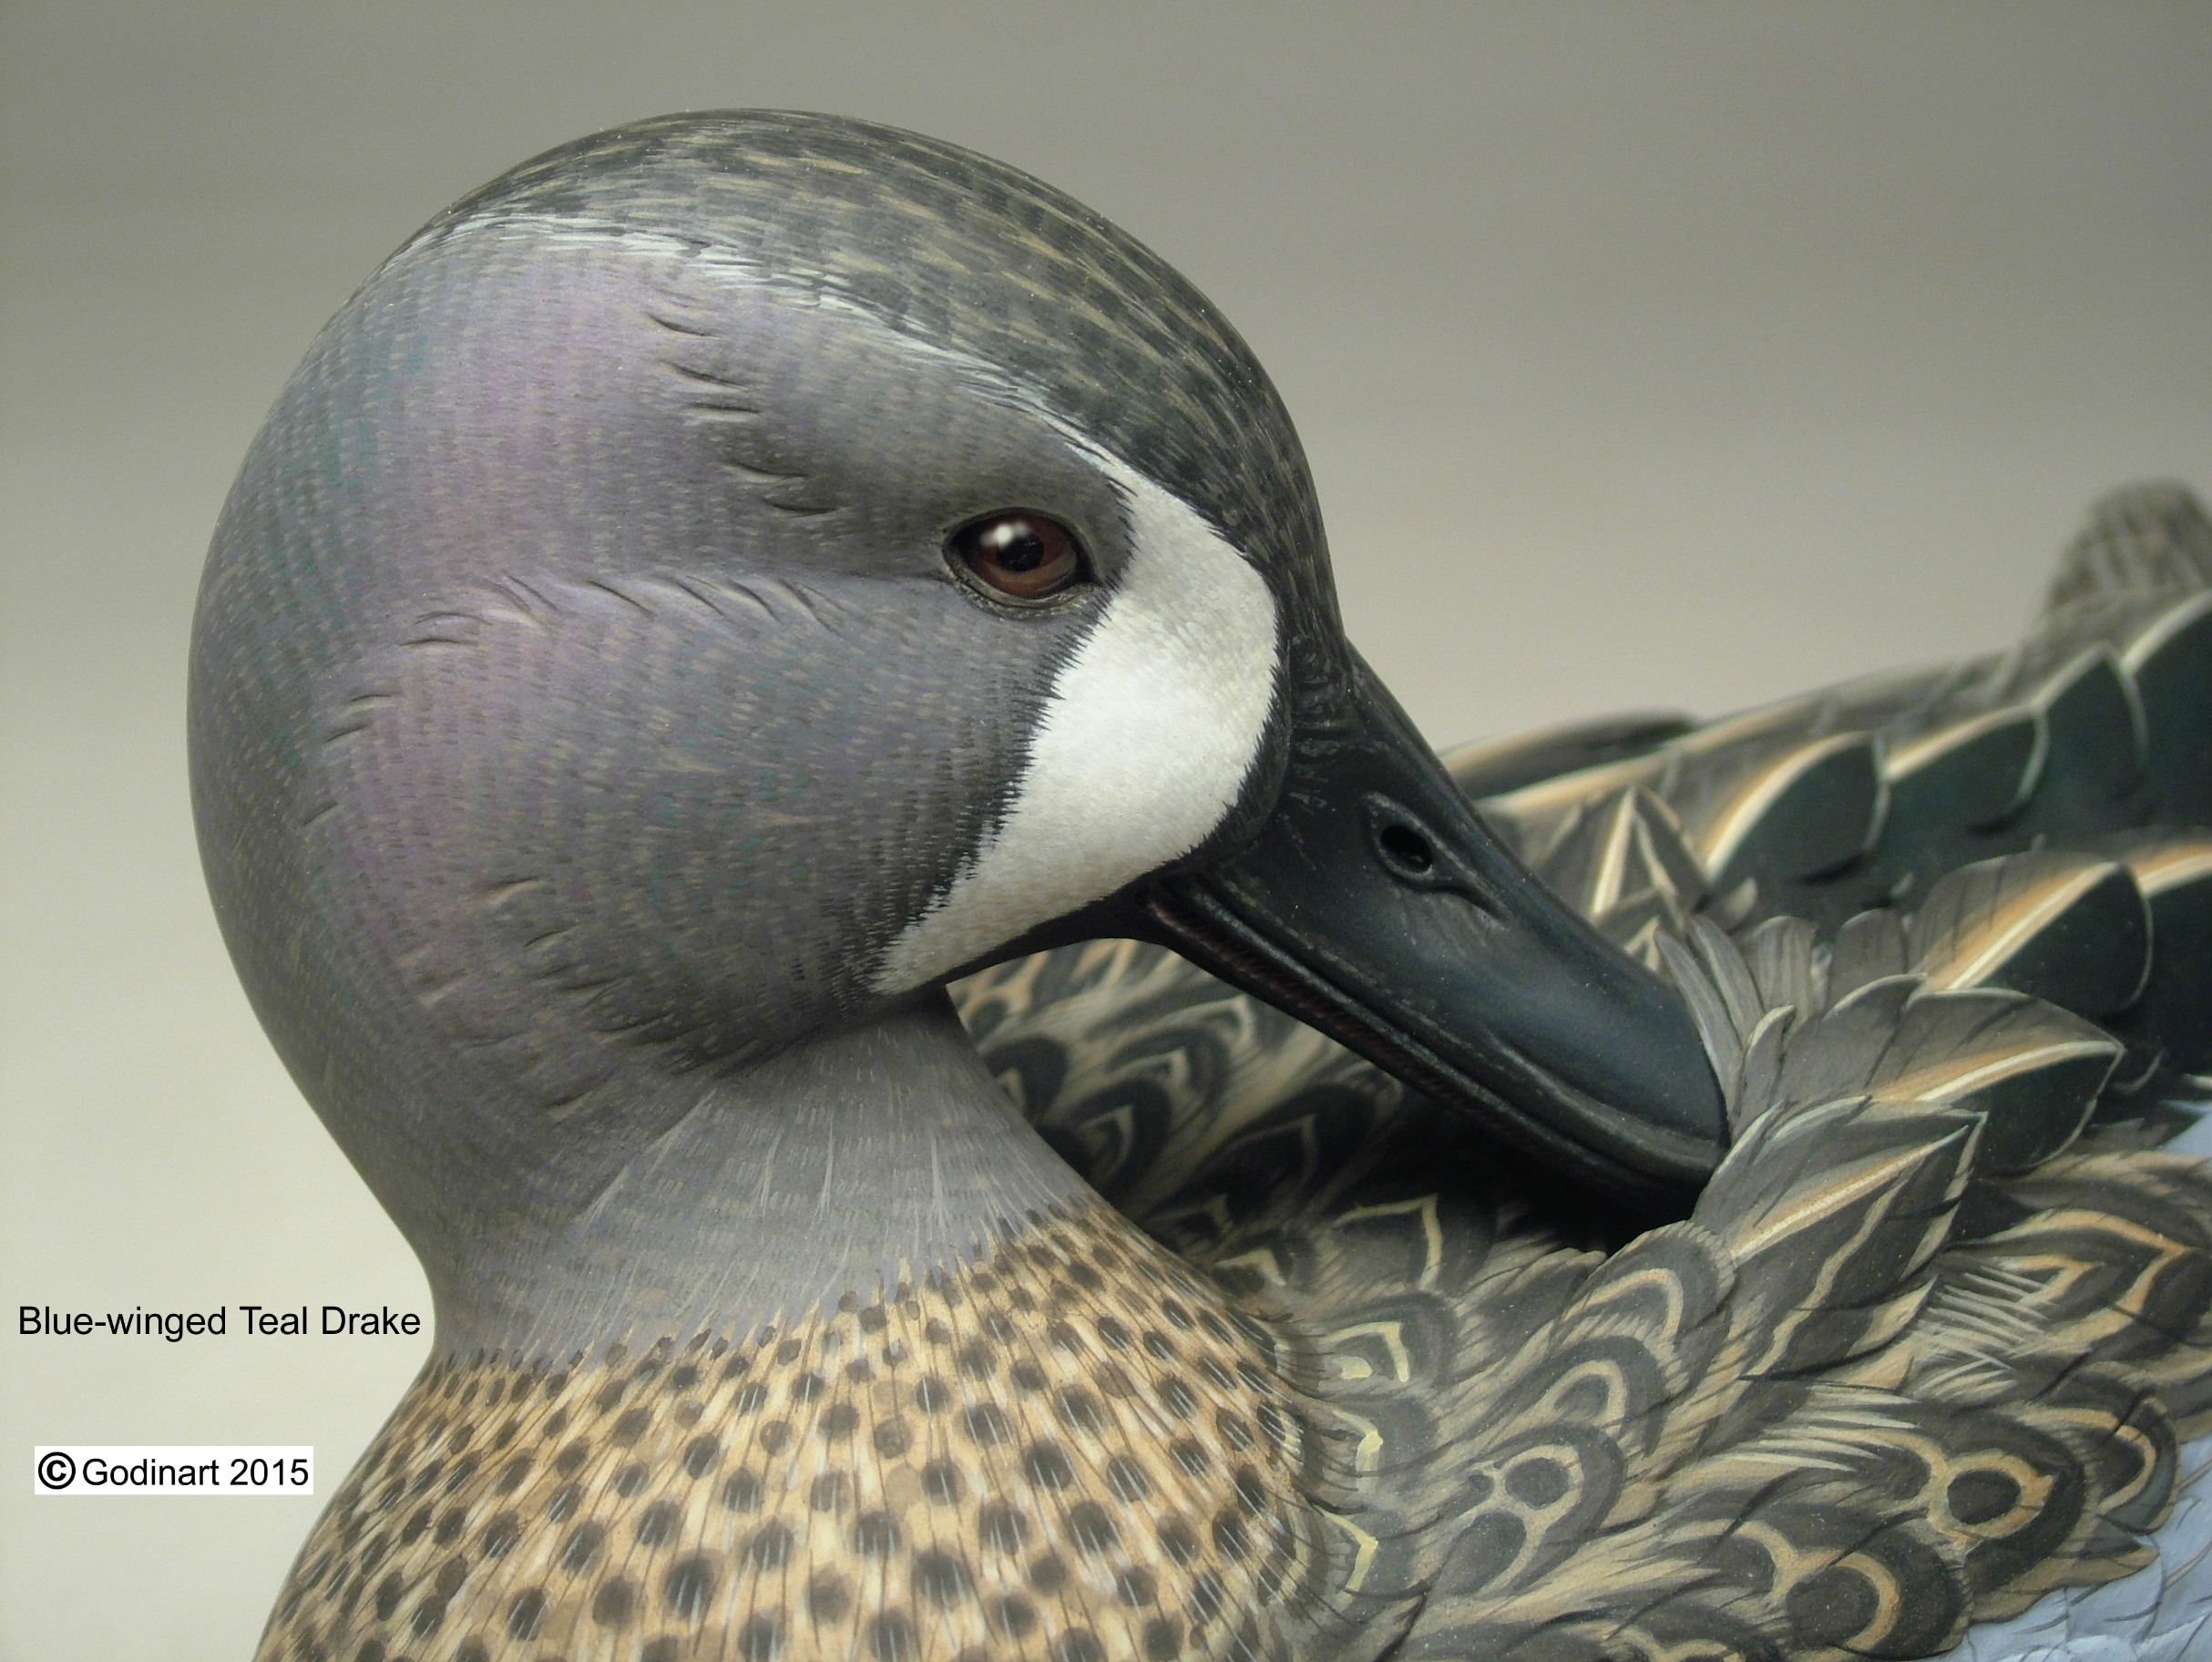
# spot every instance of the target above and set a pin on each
(1020, 555)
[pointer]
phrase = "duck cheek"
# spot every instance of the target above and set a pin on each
(1142, 747)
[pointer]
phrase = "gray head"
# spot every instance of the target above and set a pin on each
(581, 687)
(583, 696)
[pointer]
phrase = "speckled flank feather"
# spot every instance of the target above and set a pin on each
(1069, 1450)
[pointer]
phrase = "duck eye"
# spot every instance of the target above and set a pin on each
(1020, 555)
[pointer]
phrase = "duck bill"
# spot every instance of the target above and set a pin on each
(1376, 906)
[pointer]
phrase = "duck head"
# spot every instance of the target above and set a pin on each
(733, 574)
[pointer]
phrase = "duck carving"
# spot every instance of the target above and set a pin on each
(1648, 1190)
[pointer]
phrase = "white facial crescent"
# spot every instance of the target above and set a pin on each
(1143, 748)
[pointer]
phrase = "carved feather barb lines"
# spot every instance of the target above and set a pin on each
(1141, 1071)
(1854, 1448)
(1821, 806)
(1782, 1428)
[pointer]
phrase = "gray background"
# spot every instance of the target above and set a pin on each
(1645, 353)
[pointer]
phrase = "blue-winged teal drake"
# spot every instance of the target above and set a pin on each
(732, 579)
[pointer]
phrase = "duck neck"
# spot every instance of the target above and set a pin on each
(846, 1165)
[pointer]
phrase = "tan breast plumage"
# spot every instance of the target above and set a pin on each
(1067, 1451)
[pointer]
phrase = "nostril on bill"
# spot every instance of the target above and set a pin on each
(1406, 849)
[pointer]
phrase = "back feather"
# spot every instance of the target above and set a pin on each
(1867, 794)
